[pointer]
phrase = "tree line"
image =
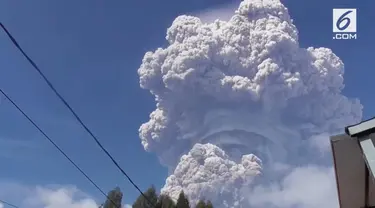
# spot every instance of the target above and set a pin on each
(153, 200)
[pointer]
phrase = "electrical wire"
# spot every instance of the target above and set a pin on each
(74, 114)
(54, 144)
(9, 204)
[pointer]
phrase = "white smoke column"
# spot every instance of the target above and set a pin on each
(221, 12)
(209, 169)
(245, 86)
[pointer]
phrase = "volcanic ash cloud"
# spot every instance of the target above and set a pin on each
(245, 87)
(208, 169)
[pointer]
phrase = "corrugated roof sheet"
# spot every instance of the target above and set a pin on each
(351, 174)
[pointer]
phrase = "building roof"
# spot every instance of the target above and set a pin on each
(355, 186)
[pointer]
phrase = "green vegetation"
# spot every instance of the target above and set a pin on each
(162, 201)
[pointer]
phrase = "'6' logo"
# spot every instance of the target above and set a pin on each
(344, 20)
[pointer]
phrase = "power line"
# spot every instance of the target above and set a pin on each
(9, 204)
(55, 145)
(74, 113)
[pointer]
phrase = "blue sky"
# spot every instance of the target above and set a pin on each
(91, 51)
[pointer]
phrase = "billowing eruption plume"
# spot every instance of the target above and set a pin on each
(208, 168)
(225, 90)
